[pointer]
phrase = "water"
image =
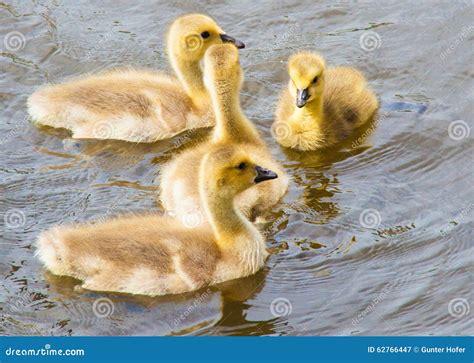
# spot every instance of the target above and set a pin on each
(373, 238)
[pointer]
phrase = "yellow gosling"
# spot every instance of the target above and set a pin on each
(321, 106)
(179, 182)
(138, 105)
(154, 255)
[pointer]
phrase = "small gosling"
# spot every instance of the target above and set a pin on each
(155, 255)
(321, 106)
(223, 78)
(138, 105)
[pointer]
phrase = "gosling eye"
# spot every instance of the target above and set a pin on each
(242, 166)
(315, 79)
(205, 35)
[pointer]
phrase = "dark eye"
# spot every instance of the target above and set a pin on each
(205, 35)
(242, 166)
(315, 79)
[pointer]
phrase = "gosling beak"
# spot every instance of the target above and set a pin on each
(228, 39)
(264, 174)
(302, 97)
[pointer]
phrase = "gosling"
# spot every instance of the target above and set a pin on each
(321, 106)
(155, 255)
(138, 105)
(179, 188)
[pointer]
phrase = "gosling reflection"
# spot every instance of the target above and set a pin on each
(236, 303)
(212, 309)
(312, 171)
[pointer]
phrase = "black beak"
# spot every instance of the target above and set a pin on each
(264, 174)
(302, 97)
(228, 39)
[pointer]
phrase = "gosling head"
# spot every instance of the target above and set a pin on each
(190, 36)
(306, 77)
(231, 170)
(222, 68)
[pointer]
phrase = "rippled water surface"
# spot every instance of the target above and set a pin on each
(374, 237)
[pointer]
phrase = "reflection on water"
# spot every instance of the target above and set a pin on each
(373, 237)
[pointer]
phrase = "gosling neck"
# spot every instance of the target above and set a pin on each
(190, 75)
(231, 124)
(226, 221)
